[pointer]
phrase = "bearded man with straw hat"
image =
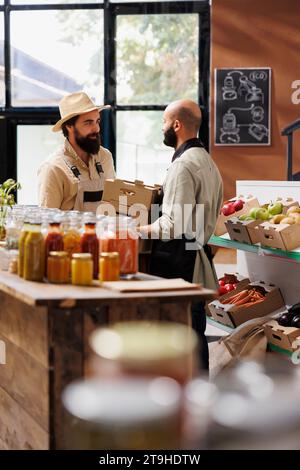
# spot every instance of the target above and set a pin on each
(73, 178)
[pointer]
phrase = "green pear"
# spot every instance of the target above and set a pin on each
(275, 208)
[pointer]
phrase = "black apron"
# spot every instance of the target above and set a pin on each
(170, 259)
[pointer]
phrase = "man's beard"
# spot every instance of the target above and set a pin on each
(170, 138)
(88, 144)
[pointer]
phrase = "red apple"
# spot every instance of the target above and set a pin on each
(229, 287)
(228, 209)
(238, 205)
(221, 282)
(222, 290)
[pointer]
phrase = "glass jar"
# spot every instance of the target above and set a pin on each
(119, 234)
(71, 234)
(89, 243)
(34, 253)
(109, 266)
(82, 269)
(22, 238)
(123, 414)
(53, 240)
(58, 267)
(148, 348)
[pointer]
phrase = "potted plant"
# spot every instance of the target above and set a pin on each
(7, 200)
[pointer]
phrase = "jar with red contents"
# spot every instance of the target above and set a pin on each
(119, 235)
(89, 242)
(54, 238)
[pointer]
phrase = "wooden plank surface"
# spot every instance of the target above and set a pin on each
(34, 293)
(25, 326)
(26, 381)
(18, 430)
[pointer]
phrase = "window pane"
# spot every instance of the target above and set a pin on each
(48, 2)
(2, 86)
(157, 58)
(34, 145)
(141, 155)
(59, 52)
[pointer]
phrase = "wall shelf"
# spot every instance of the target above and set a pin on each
(225, 242)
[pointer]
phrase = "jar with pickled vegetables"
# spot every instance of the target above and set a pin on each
(119, 234)
(89, 242)
(58, 267)
(109, 266)
(23, 235)
(82, 269)
(34, 253)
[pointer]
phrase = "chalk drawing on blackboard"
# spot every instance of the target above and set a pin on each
(242, 114)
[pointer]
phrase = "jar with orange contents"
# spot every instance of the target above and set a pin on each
(119, 234)
(71, 234)
(109, 266)
(89, 241)
(58, 267)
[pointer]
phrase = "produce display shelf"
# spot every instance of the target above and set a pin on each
(273, 347)
(225, 242)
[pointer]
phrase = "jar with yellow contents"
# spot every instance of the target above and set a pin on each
(109, 266)
(58, 267)
(82, 269)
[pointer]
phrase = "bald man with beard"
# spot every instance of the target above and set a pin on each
(192, 198)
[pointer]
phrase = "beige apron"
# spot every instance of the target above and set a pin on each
(89, 191)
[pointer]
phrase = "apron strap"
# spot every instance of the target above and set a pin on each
(99, 168)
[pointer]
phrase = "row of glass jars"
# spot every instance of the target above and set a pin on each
(65, 238)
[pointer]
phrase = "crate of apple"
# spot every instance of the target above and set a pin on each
(227, 283)
(230, 207)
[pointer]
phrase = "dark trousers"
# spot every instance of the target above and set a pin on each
(199, 325)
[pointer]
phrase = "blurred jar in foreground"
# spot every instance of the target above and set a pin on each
(145, 348)
(119, 234)
(123, 414)
(109, 266)
(58, 267)
(82, 269)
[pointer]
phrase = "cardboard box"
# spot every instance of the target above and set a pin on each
(233, 316)
(132, 198)
(244, 231)
(282, 236)
(249, 202)
(287, 203)
(286, 337)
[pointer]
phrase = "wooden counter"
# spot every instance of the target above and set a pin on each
(45, 329)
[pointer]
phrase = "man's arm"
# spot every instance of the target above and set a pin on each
(50, 187)
(179, 195)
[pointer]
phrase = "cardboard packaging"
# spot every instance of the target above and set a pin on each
(132, 198)
(282, 236)
(249, 202)
(233, 316)
(244, 231)
(287, 203)
(286, 337)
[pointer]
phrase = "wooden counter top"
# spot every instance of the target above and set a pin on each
(67, 295)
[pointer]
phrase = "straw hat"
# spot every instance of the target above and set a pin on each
(74, 105)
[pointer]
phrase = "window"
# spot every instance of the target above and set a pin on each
(35, 144)
(157, 58)
(63, 59)
(51, 2)
(141, 155)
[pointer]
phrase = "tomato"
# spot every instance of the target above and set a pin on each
(221, 282)
(229, 287)
(222, 290)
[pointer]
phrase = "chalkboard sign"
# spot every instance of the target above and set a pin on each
(242, 106)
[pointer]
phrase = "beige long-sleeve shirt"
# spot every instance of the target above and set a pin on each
(57, 185)
(193, 193)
